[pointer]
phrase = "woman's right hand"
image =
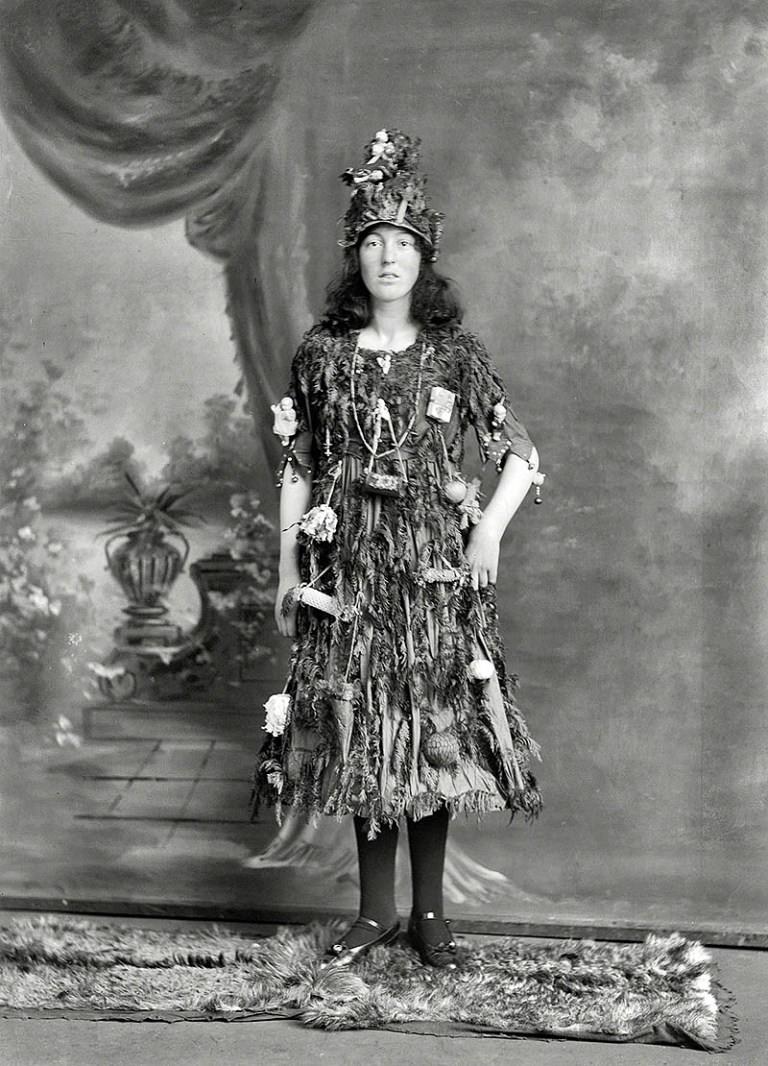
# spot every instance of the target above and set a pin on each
(286, 621)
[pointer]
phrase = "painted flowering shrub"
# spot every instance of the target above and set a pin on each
(43, 604)
(42, 607)
(248, 539)
(28, 605)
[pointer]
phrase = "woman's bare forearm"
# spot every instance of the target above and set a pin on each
(295, 498)
(512, 488)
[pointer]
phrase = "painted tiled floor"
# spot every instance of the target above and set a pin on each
(153, 808)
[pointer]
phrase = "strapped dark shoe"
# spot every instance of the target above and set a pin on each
(341, 954)
(440, 953)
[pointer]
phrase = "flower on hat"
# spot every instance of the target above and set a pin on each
(277, 708)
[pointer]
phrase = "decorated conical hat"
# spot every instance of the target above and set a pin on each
(388, 188)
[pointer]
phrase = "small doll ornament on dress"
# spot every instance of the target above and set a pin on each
(285, 426)
(285, 420)
(497, 446)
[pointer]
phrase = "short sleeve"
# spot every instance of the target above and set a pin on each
(299, 392)
(484, 391)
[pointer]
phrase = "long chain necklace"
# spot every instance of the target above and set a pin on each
(373, 449)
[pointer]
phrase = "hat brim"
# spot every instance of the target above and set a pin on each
(385, 222)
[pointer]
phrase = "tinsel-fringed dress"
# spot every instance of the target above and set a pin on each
(385, 717)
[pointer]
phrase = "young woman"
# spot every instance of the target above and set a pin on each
(398, 705)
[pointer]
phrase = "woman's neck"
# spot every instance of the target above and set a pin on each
(391, 327)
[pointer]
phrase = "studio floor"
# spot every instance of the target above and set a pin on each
(61, 1042)
(151, 806)
(146, 806)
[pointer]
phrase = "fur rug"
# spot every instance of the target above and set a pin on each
(660, 991)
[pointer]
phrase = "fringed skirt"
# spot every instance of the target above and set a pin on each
(401, 703)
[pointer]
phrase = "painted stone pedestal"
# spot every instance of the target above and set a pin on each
(154, 659)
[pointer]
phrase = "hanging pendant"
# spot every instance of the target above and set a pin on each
(383, 484)
(455, 491)
(496, 449)
(441, 750)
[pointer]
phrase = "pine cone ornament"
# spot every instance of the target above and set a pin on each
(441, 750)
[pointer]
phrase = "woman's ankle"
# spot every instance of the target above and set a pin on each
(385, 917)
(362, 932)
(431, 926)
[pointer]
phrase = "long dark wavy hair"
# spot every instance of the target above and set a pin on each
(434, 299)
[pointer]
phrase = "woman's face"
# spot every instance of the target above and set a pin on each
(389, 262)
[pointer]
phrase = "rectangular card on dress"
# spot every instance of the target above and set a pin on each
(440, 406)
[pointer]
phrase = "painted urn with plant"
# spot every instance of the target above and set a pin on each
(140, 552)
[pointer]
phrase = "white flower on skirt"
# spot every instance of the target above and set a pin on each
(319, 522)
(481, 669)
(277, 708)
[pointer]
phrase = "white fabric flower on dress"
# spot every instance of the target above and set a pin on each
(277, 708)
(320, 522)
(481, 669)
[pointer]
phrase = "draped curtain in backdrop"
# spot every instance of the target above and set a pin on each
(143, 111)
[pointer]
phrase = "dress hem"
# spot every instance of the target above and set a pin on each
(477, 802)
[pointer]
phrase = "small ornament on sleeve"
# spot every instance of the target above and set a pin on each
(285, 420)
(290, 458)
(495, 444)
(285, 426)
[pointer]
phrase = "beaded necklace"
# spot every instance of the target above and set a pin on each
(373, 449)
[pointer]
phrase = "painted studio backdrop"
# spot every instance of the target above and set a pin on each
(169, 202)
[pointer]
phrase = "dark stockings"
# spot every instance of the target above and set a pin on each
(376, 859)
(426, 843)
